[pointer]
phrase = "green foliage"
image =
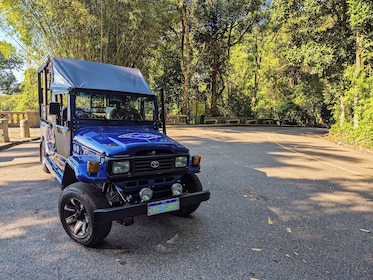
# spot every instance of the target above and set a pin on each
(117, 32)
(361, 137)
(289, 111)
(356, 126)
(28, 100)
(307, 61)
(165, 72)
(360, 85)
(236, 99)
(219, 26)
(8, 63)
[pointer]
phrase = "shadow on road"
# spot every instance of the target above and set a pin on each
(282, 206)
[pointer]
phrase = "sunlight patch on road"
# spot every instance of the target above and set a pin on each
(349, 200)
(20, 227)
(321, 160)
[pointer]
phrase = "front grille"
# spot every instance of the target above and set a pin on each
(151, 165)
(145, 166)
(149, 182)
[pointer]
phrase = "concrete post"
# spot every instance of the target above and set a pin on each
(4, 136)
(25, 129)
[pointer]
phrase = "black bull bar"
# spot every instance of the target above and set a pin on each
(101, 216)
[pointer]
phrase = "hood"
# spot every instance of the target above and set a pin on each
(112, 141)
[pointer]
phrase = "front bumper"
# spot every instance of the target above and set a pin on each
(101, 216)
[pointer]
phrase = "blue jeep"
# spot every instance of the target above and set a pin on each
(100, 139)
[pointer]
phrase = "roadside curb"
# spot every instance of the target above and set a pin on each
(15, 143)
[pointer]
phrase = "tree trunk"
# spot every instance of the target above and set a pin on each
(214, 80)
(357, 73)
(185, 65)
(256, 77)
(342, 115)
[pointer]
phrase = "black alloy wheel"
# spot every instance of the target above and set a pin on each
(76, 205)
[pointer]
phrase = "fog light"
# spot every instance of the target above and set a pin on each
(177, 189)
(146, 194)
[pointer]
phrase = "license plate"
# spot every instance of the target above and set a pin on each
(163, 206)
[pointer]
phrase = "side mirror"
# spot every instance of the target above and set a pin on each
(54, 108)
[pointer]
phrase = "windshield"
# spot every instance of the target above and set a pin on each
(114, 106)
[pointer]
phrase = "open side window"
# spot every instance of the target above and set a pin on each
(53, 108)
(44, 93)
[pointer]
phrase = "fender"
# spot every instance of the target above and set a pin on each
(194, 169)
(78, 165)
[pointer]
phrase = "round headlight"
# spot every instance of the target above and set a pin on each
(177, 189)
(146, 194)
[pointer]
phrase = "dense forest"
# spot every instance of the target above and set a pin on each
(307, 61)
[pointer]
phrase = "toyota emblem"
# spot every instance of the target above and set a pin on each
(154, 164)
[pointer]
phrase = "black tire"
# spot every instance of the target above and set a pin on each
(42, 154)
(191, 184)
(75, 206)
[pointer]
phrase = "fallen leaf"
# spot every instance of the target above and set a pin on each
(161, 248)
(364, 230)
(270, 222)
(256, 249)
(288, 229)
(173, 239)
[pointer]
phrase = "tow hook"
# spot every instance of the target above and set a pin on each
(127, 221)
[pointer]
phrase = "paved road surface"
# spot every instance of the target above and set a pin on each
(286, 203)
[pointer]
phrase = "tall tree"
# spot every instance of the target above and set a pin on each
(320, 39)
(361, 22)
(179, 34)
(185, 53)
(8, 63)
(112, 31)
(221, 25)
